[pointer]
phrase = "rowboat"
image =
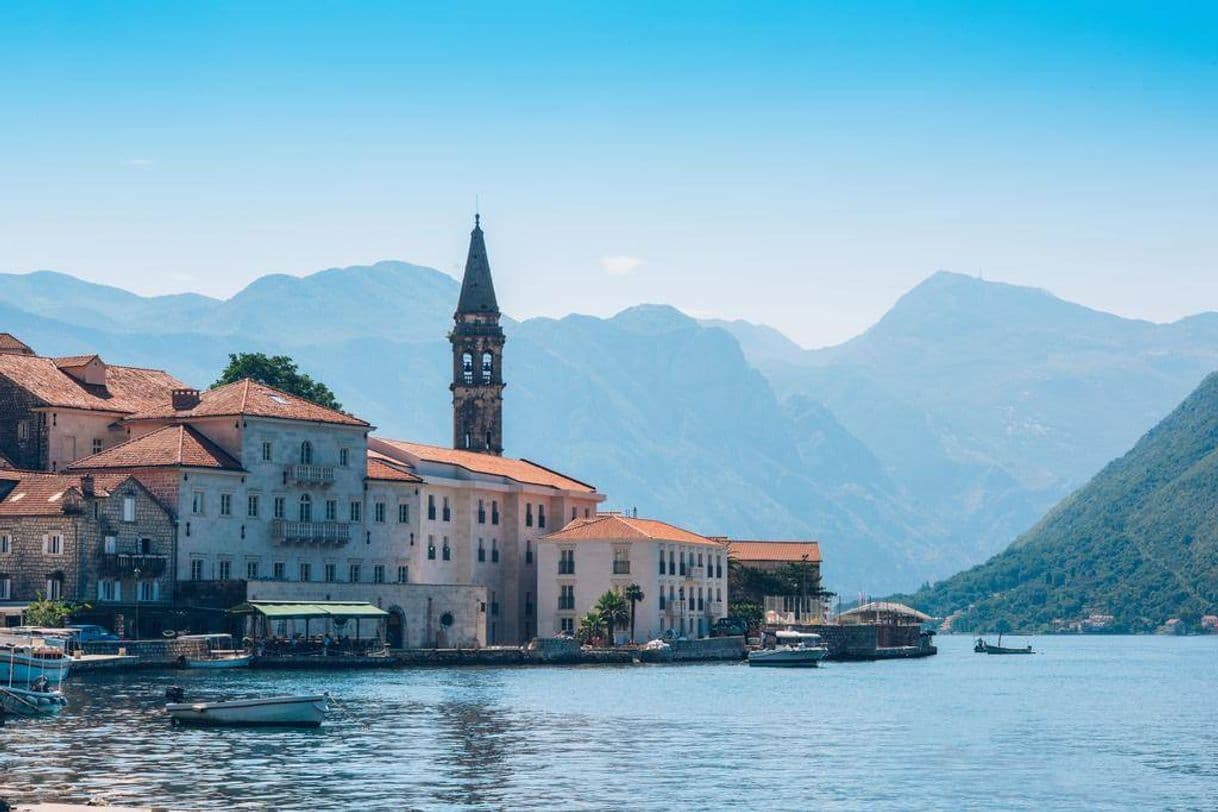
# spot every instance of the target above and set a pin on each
(36, 701)
(792, 649)
(982, 647)
(271, 711)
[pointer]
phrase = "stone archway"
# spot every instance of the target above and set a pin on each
(395, 628)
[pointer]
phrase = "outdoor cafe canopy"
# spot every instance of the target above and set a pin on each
(289, 610)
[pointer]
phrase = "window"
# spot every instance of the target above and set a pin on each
(6, 544)
(23, 430)
(378, 574)
(494, 604)
(353, 573)
(447, 552)
(280, 508)
(266, 451)
(344, 456)
(431, 506)
(682, 559)
(306, 453)
(251, 570)
(196, 503)
(107, 590)
(97, 445)
(226, 570)
(494, 551)
(662, 601)
(330, 573)
(52, 544)
(573, 511)
(541, 515)
(196, 569)
(147, 591)
(621, 562)
(431, 548)
(54, 589)
(528, 551)
(566, 596)
(447, 515)
(355, 508)
(481, 512)
(467, 368)
(145, 546)
(306, 572)
(251, 506)
(226, 504)
(379, 512)
(128, 508)
(528, 604)
(306, 508)
(488, 366)
(663, 568)
(6, 589)
(279, 571)
(494, 511)
(566, 562)
(528, 514)
(718, 566)
(403, 514)
(403, 573)
(481, 551)
(331, 510)
(567, 625)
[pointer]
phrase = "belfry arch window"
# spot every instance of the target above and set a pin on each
(488, 364)
(306, 453)
(467, 367)
(306, 508)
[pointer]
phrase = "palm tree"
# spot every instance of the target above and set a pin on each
(634, 594)
(613, 611)
(589, 627)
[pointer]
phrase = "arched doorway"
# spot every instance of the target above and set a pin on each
(395, 628)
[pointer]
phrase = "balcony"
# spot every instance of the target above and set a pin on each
(335, 533)
(125, 564)
(310, 474)
(695, 573)
(621, 567)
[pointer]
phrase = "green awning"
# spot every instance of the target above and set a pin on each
(285, 610)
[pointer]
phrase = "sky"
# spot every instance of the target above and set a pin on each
(796, 164)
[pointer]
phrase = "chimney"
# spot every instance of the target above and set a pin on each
(184, 399)
(86, 486)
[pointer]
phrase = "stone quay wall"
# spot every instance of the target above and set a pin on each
(150, 652)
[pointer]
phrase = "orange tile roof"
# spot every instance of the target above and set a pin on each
(385, 469)
(127, 389)
(774, 550)
(609, 526)
(71, 361)
(170, 446)
(248, 397)
(10, 343)
(41, 494)
(521, 470)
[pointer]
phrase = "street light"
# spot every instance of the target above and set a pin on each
(136, 636)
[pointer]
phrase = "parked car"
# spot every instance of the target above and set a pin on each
(730, 627)
(90, 633)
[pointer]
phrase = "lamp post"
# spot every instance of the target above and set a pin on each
(136, 636)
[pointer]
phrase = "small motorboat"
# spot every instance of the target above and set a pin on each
(792, 649)
(982, 647)
(221, 653)
(271, 711)
(38, 700)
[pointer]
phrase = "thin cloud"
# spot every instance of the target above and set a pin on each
(138, 163)
(621, 265)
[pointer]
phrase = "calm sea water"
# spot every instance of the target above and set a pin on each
(1091, 723)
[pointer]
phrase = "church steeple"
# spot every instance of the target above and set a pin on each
(477, 341)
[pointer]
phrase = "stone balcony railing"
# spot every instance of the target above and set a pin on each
(335, 533)
(310, 474)
(125, 564)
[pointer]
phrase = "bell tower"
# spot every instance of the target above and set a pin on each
(477, 341)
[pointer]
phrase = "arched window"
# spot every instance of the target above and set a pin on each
(467, 367)
(488, 364)
(306, 508)
(306, 453)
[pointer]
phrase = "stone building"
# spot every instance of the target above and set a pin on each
(105, 540)
(779, 556)
(477, 341)
(54, 411)
(683, 575)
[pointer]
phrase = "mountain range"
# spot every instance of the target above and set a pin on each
(919, 448)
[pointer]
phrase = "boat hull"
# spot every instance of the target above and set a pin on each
(277, 711)
(22, 669)
(20, 702)
(795, 658)
(241, 661)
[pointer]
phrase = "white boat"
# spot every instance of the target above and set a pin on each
(221, 653)
(792, 650)
(271, 711)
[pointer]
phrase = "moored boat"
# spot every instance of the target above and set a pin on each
(982, 647)
(792, 649)
(39, 700)
(24, 659)
(271, 711)
(221, 653)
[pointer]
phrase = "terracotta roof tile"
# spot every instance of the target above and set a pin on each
(6, 463)
(127, 389)
(521, 470)
(30, 493)
(616, 526)
(170, 446)
(248, 397)
(10, 343)
(73, 360)
(774, 550)
(383, 468)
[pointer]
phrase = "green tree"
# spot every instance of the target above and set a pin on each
(48, 613)
(278, 371)
(590, 627)
(613, 611)
(634, 594)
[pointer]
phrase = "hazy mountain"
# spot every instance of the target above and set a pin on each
(1139, 542)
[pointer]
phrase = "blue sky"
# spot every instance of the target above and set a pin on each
(795, 164)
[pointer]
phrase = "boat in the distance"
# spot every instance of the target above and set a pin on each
(271, 711)
(792, 649)
(221, 653)
(982, 647)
